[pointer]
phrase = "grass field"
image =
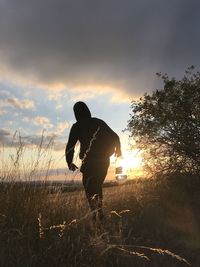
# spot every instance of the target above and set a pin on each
(153, 222)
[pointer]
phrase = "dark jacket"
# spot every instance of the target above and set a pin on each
(97, 139)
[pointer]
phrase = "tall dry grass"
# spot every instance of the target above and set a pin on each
(42, 229)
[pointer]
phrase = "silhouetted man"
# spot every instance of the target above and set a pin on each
(97, 143)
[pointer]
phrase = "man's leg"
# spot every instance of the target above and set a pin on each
(93, 179)
(91, 192)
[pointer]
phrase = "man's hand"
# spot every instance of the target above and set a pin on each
(73, 167)
(118, 152)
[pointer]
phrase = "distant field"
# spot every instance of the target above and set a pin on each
(148, 223)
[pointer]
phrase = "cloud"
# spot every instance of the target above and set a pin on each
(5, 136)
(4, 103)
(9, 139)
(61, 126)
(56, 132)
(4, 93)
(59, 106)
(17, 103)
(54, 95)
(113, 43)
(21, 104)
(46, 141)
(43, 140)
(2, 112)
(42, 121)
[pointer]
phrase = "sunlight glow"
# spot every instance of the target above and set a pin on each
(132, 160)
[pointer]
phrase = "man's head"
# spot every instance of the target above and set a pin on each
(81, 111)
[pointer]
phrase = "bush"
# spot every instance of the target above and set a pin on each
(166, 125)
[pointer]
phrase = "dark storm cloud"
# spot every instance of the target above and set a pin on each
(121, 43)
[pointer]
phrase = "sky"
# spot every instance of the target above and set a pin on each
(105, 53)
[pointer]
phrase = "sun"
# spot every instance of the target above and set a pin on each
(132, 160)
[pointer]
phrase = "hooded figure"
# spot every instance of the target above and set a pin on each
(97, 143)
(81, 111)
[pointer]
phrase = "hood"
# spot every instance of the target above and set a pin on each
(81, 111)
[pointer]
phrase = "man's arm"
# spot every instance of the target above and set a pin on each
(117, 142)
(118, 151)
(69, 151)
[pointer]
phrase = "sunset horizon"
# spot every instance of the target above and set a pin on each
(103, 54)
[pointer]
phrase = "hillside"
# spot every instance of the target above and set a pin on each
(152, 222)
